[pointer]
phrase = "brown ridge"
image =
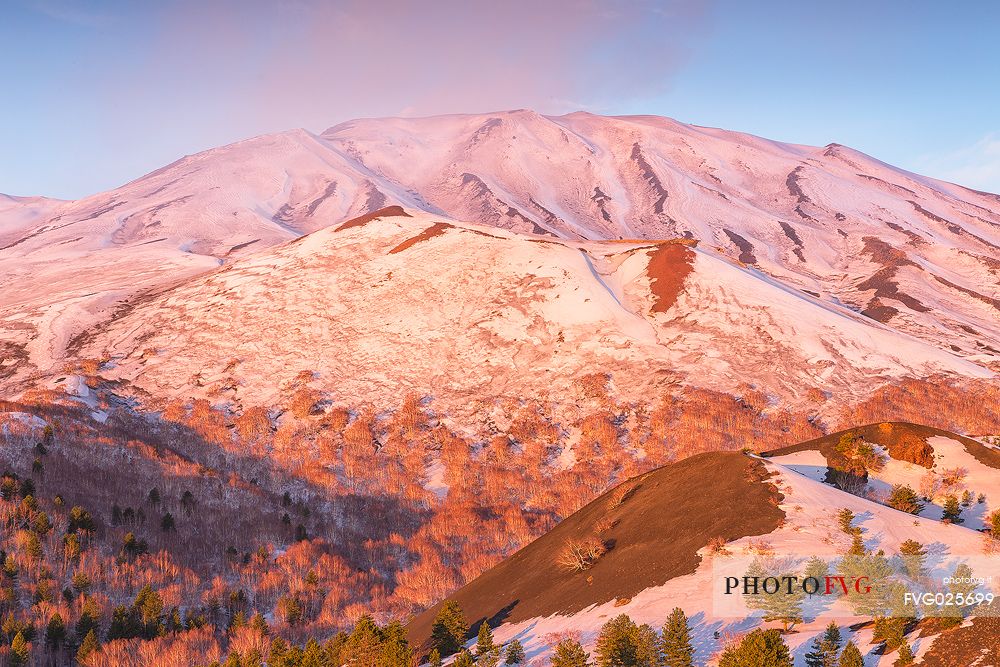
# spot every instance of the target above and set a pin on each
(437, 229)
(904, 441)
(651, 536)
(361, 221)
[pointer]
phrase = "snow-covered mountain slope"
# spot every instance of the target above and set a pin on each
(827, 228)
(902, 248)
(657, 530)
(931, 462)
(463, 313)
(17, 213)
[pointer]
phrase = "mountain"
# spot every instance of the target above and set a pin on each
(402, 303)
(308, 377)
(851, 272)
(670, 537)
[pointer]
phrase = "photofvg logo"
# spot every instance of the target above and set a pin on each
(792, 585)
(788, 589)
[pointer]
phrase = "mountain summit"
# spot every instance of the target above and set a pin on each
(848, 266)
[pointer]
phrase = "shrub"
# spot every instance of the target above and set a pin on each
(604, 524)
(577, 555)
(904, 499)
(717, 545)
(620, 494)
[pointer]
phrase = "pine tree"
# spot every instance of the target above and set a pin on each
(55, 633)
(484, 642)
(149, 606)
(292, 658)
(961, 587)
(844, 518)
(258, 623)
(994, 524)
(904, 499)
(647, 647)
(335, 649)
(464, 659)
(816, 567)
(33, 547)
(824, 648)
(122, 626)
(237, 622)
(279, 651)
(777, 606)
(832, 635)
(857, 546)
(851, 657)
(676, 646)
(449, 629)
(364, 644)
(760, 648)
(785, 607)
(88, 620)
(816, 657)
(952, 511)
(913, 554)
(88, 647)
(515, 653)
(905, 657)
(312, 656)
(617, 643)
(890, 631)
(395, 648)
(569, 653)
(877, 601)
(19, 651)
(434, 659)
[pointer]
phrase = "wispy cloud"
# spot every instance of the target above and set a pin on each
(976, 166)
(85, 14)
(356, 57)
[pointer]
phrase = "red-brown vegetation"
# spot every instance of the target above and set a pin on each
(319, 519)
(669, 266)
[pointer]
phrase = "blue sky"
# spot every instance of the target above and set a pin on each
(98, 93)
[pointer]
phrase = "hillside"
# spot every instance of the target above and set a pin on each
(653, 527)
(774, 511)
(932, 462)
(495, 315)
